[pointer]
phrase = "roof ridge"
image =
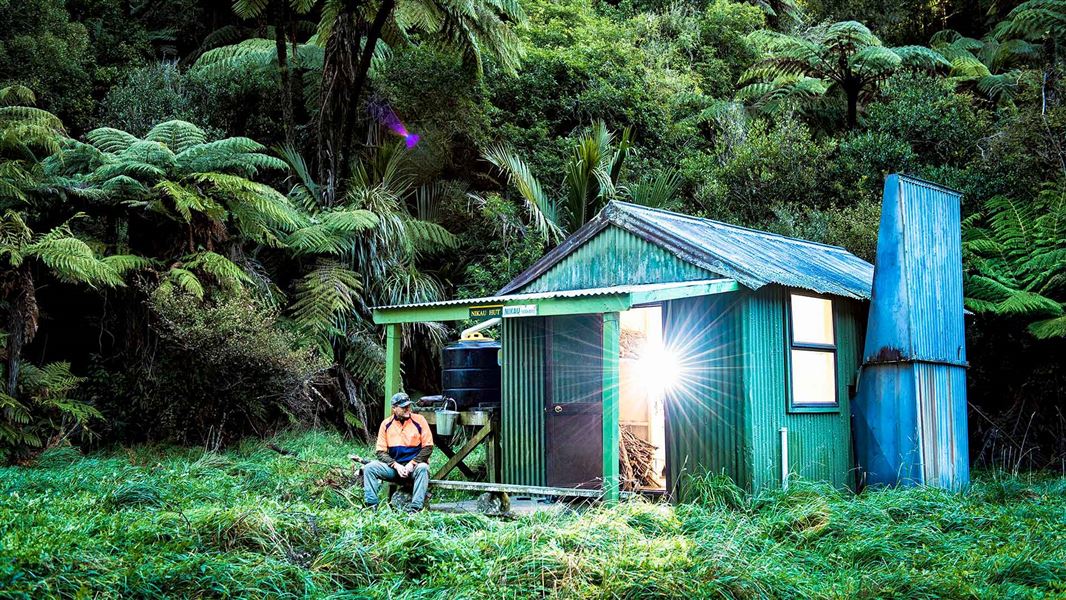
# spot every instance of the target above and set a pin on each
(929, 184)
(767, 234)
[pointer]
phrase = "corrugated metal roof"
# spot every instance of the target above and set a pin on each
(602, 291)
(753, 258)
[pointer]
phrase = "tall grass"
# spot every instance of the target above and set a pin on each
(160, 521)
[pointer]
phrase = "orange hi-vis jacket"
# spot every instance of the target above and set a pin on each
(403, 440)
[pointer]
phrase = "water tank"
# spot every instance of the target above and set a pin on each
(471, 372)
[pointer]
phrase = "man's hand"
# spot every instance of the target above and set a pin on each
(403, 470)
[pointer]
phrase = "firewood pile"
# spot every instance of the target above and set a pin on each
(631, 342)
(636, 460)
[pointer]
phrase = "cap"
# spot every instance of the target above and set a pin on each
(401, 399)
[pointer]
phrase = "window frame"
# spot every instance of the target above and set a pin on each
(790, 345)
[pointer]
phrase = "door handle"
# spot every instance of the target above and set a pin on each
(558, 408)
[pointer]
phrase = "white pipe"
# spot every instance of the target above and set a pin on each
(479, 327)
(784, 458)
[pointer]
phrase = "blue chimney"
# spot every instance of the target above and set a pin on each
(910, 409)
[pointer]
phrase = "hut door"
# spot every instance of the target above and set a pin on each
(574, 410)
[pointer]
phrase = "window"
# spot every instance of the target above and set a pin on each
(812, 353)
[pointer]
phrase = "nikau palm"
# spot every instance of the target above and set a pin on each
(360, 253)
(844, 57)
(590, 180)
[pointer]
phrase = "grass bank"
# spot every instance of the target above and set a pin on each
(160, 521)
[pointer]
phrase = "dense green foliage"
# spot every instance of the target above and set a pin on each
(252, 524)
(246, 155)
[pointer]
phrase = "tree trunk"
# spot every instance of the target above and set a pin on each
(338, 78)
(22, 324)
(14, 352)
(853, 106)
(281, 28)
(363, 69)
(343, 80)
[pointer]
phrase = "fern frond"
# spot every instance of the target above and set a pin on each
(428, 237)
(187, 200)
(1049, 328)
(17, 94)
(110, 140)
(177, 135)
(542, 210)
(124, 263)
(72, 260)
(323, 297)
(224, 271)
(185, 280)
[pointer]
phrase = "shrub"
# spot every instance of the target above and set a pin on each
(217, 369)
(153, 94)
(941, 125)
(774, 164)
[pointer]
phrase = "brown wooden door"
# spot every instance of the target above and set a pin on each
(574, 408)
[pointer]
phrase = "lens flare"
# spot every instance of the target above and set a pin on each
(660, 368)
(395, 126)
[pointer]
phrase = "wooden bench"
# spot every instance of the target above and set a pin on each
(503, 490)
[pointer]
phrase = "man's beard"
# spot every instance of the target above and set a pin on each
(402, 417)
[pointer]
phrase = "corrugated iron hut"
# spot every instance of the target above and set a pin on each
(723, 349)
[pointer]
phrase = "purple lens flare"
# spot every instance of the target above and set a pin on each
(389, 119)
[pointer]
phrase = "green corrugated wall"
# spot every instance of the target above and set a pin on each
(819, 443)
(705, 414)
(523, 377)
(616, 257)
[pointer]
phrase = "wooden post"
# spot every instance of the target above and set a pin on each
(392, 365)
(611, 433)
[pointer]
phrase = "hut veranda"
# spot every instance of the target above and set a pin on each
(727, 350)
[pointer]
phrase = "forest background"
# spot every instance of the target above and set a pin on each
(199, 201)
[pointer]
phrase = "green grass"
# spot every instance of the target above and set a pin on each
(155, 521)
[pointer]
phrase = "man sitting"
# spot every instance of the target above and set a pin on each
(404, 446)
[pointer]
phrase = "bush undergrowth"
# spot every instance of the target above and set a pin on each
(153, 521)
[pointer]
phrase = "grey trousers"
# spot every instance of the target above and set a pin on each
(376, 471)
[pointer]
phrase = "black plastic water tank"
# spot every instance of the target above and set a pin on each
(471, 373)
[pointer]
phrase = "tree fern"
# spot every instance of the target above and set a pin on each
(844, 56)
(45, 409)
(975, 62)
(324, 297)
(1035, 21)
(1016, 257)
